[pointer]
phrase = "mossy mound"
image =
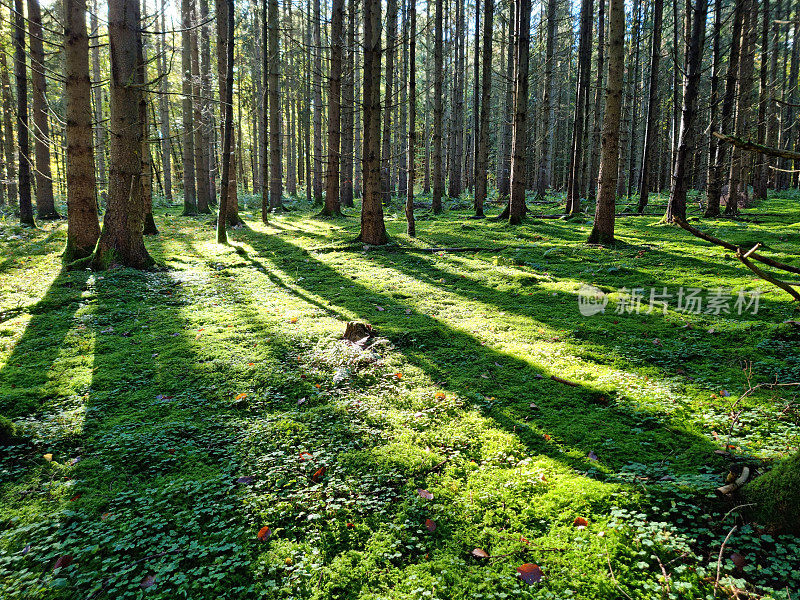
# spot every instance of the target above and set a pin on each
(7, 431)
(776, 496)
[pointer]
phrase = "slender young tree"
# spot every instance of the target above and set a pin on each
(8, 127)
(648, 150)
(373, 229)
(225, 55)
(348, 104)
(519, 142)
(504, 151)
(45, 202)
(189, 189)
(317, 91)
(121, 241)
(576, 167)
(598, 102)
(163, 106)
(603, 228)
(718, 160)
(275, 170)
(232, 207)
(760, 181)
(265, 26)
(332, 203)
(411, 228)
(21, 75)
(691, 84)
(99, 126)
(200, 151)
(386, 151)
(438, 109)
(83, 228)
(547, 101)
(455, 180)
(482, 163)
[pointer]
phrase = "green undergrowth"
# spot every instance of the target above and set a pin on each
(202, 430)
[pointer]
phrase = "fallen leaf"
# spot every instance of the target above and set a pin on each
(592, 455)
(738, 560)
(724, 393)
(425, 494)
(250, 364)
(580, 522)
(430, 524)
(293, 320)
(48, 457)
(380, 308)
(63, 561)
(246, 480)
(398, 375)
(303, 455)
(408, 311)
(479, 553)
(75, 497)
(546, 437)
(147, 581)
(74, 461)
(26, 549)
(264, 533)
(441, 395)
(318, 475)
(530, 573)
(240, 396)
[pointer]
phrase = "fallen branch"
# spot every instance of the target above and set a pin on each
(760, 148)
(735, 485)
(743, 257)
(734, 248)
(564, 381)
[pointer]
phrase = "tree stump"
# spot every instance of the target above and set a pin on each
(358, 332)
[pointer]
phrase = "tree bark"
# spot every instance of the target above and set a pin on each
(438, 109)
(348, 103)
(762, 167)
(650, 141)
(332, 203)
(163, 104)
(603, 228)
(21, 75)
(225, 56)
(45, 203)
(99, 127)
(455, 182)
(317, 91)
(373, 229)
(718, 161)
(519, 141)
(482, 132)
(8, 138)
(198, 120)
(411, 228)
(83, 228)
(121, 241)
(386, 152)
(691, 84)
(232, 207)
(574, 184)
(504, 158)
(275, 146)
(189, 189)
(547, 100)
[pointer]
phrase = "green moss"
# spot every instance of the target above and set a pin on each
(8, 432)
(776, 495)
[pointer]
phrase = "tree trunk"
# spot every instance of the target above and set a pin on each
(149, 224)
(438, 109)
(317, 91)
(275, 146)
(21, 75)
(598, 105)
(457, 110)
(386, 152)
(411, 228)
(373, 229)
(83, 228)
(772, 113)
(547, 100)
(348, 102)
(45, 203)
(718, 161)
(574, 184)
(691, 83)
(232, 207)
(332, 205)
(200, 150)
(189, 189)
(762, 167)
(163, 104)
(207, 122)
(225, 56)
(504, 160)
(737, 183)
(8, 138)
(650, 141)
(603, 228)
(121, 241)
(519, 141)
(99, 126)
(482, 131)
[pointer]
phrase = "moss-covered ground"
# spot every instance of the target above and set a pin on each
(167, 418)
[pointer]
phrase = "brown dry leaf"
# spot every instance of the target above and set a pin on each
(479, 553)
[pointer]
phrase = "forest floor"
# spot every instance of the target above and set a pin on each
(202, 431)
